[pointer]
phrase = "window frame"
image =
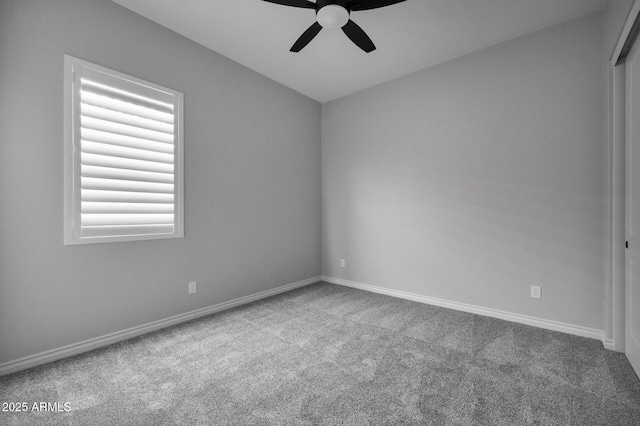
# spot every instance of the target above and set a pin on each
(72, 171)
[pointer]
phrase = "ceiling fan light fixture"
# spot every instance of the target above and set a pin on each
(333, 16)
(336, 14)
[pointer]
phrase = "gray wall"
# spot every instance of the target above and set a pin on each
(473, 180)
(252, 172)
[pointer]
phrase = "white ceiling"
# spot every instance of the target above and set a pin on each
(409, 36)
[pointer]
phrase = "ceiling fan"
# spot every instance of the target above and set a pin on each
(335, 14)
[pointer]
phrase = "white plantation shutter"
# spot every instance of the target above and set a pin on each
(125, 154)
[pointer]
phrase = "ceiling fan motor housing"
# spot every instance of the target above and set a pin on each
(332, 13)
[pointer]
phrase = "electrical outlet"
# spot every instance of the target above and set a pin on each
(193, 287)
(342, 263)
(536, 292)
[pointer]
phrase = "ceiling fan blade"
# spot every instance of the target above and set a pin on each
(371, 4)
(294, 3)
(358, 36)
(306, 37)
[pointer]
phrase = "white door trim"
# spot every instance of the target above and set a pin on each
(614, 333)
(614, 309)
(624, 34)
(614, 299)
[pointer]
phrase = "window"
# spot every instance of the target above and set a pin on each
(123, 157)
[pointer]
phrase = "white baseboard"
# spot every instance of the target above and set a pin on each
(609, 344)
(108, 339)
(494, 313)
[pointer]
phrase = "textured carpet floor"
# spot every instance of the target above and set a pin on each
(325, 354)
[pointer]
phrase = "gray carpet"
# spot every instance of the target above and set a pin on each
(325, 355)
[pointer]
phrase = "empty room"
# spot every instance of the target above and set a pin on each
(319, 212)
